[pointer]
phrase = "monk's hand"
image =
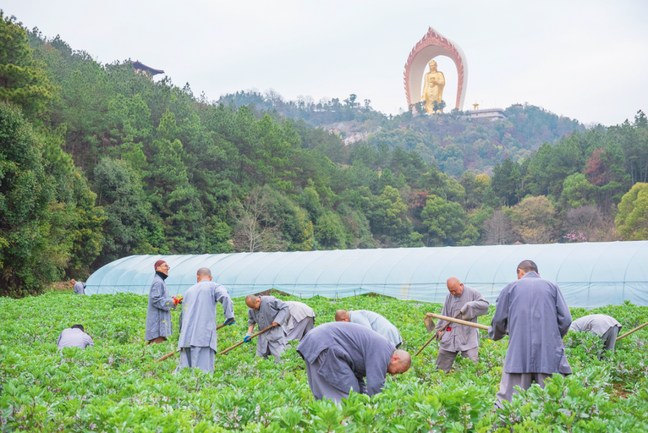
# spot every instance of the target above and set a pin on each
(275, 323)
(247, 339)
(229, 321)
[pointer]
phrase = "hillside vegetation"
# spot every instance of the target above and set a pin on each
(98, 162)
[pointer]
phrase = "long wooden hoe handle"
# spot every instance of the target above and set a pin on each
(459, 321)
(266, 329)
(426, 344)
(631, 331)
(170, 354)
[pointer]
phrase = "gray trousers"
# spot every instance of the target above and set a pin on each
(331, 377)
(609, 338)
(197, 357)
(523, 380)
(274, 348)
(445, 358)
(301, 329)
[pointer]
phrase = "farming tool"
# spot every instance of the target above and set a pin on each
(429, 325)
(266, 329)
(632, 331)
(170, 354)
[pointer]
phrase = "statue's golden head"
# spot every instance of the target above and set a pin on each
(433, 65)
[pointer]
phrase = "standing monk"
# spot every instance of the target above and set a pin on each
(373, 321)
(265, 311)
(535, 315)
(300, 321)
(462, 303)
(197, 342)
(158, 315)
(343, 356)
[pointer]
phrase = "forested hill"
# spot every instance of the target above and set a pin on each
(98, 162)
(453, 141)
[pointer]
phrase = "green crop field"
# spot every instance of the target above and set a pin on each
(117, 386)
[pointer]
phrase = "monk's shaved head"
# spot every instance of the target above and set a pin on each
(341, 316)
(253, 301)
(400, 362)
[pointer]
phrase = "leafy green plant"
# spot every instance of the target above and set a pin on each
(117, 385)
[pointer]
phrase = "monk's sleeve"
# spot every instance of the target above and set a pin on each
(563, 314)
(499, 325)
(228, 306)
(158, 299)
(376, 368)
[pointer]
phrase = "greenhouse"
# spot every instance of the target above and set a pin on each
(589, 274)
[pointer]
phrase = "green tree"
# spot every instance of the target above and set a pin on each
(329, 232)
(507, 182)
(26, 194)
(22, 80)
(131, 227)
(446, 222)
(388, 217)
(577, 191)
(632, 219)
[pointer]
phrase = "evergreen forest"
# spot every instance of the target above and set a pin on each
(98, 162)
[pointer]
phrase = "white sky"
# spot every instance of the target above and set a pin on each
(586, 59)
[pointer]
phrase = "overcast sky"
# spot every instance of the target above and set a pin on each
(585, 59)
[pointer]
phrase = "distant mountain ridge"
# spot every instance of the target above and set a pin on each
(452, 140)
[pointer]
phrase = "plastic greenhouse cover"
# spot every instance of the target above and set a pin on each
(589, 274)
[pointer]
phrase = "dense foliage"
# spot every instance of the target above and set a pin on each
(117, 385)
(120, 164)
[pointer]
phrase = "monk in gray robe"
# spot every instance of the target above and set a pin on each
(606, 327)
(265, 311)
(197, 342)
(463, 303)
(158, 315)
(300, 321)
(535, 315)
(373, 321)
(341, 357)
(78, 287)
(74, 337)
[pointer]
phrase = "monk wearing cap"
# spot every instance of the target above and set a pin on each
(158, 316)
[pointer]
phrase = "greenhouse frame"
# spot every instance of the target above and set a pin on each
(589, 274)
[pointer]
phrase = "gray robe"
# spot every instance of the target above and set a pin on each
(74, 337)
(535, 315)
(378, 323)
(606, 327)
(341, 356)
(301, 320)
(459, 338)
(197, 341)
(79, 288)
(158, 315)
(271, 310)
(598, 324)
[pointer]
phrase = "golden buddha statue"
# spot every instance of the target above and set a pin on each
(433, 85)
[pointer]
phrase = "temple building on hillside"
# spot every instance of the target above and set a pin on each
(484, 113)
(141, 68)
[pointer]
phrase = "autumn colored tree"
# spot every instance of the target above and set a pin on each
(534, 220)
